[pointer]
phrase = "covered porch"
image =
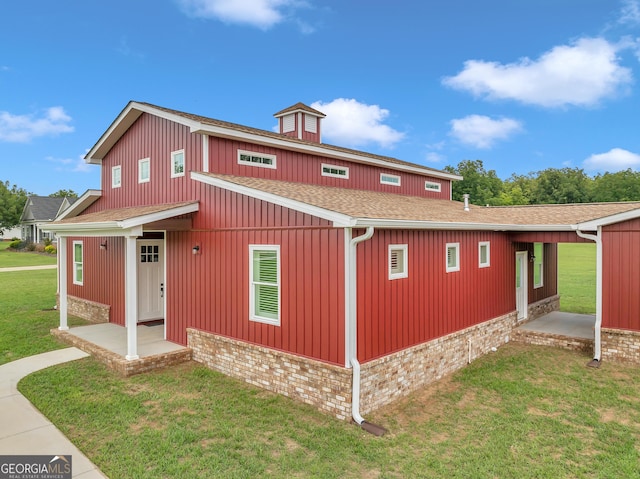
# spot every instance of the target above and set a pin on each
(107, 342)
(565, 330)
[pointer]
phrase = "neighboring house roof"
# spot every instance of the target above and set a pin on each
(44, 208)
(224, 129)
(350, 207)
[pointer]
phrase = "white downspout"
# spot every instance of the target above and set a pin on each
(597, 238)
(351, 316)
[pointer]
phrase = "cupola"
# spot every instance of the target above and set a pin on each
(300, 121)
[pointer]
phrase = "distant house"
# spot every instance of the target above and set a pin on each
(334, 276)
(9, 233)
(39, 211)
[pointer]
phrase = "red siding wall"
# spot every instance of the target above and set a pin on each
(621, 275)
(103, 272)
(395, 314)
(549, 272)
(304, 168)
(210, 291)
(154, 138)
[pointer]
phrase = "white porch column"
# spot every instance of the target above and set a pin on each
(62, 281)
(131, 297)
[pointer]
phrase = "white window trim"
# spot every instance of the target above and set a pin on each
(261, 155)
(140, 163)
(173, 166)
(428, 183)
(113, 178)
(336, 167)
(404, 273)
(75, 263)
(387, 182)
(252, 315)
(488, 262)
(446, 257)
(541, 283)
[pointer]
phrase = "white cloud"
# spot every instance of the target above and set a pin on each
(351, 123)
(481, 131)
(23, 128)
(630, 12)
(71, 164)
(433, 157)
(262, 14)
(616, 159)
(580, 74)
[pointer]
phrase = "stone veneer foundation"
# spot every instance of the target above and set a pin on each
(85, 309)
(118, 363)
(542, 307)
(620, 345)
(328, 387)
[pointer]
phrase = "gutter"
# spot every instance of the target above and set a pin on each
(351, 319)
(597, 347)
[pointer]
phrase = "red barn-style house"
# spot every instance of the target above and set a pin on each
(338, 277)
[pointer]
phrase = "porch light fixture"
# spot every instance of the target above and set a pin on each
(103, 245)
(196, 249)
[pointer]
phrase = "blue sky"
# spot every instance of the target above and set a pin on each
(521, 85)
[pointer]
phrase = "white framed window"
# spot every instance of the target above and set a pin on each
(453, 257)
(116, 176)
(484, 254)
(78, 263)
(538, 262)
(264, 284)
(335, 171)
(387, 179)
(144, 170)
(310, 123)
(432, 186)
(177, 163)
(398, 261)
(262, 160)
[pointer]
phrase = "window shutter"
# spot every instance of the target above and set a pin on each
(288, 123)
(310, 123)
(265, 277)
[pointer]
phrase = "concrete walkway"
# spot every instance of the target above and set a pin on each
(28, 268)
(24, 430)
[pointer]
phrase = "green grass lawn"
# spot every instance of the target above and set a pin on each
(522, 412)
(9, 258)
(577, 277)
(27, 299)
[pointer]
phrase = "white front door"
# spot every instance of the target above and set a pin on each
(150, 279)
(521, 284)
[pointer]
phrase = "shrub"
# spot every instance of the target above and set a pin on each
(50, 249)
(39, 248)
(30, 247)
(47, 241)
(16, 244)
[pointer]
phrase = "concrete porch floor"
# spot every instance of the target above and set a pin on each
(563, 324)
(107, 342)
(114, 338)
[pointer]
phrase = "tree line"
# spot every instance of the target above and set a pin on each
(550, 186)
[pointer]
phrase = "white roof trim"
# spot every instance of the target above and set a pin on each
(338, 219)
(440, 225)
(134, 110)
(82, 203)
(609, 220)
(318, 150)
(119, 228)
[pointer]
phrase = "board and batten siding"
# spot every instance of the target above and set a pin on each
(621, 275)
(210, 290)
(306, 168)
(429, 303)
(103, 274)
(549, 271)
(154, 138)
